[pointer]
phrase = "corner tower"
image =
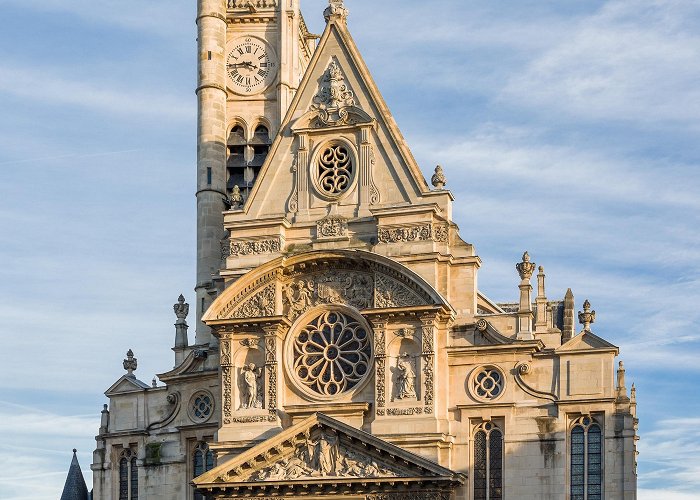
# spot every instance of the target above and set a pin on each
(251, 58)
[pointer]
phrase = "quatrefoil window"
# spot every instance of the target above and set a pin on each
(487, 383)
(334, 170)
(201, 406)
(332, 354)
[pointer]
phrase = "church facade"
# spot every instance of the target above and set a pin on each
(342, 345)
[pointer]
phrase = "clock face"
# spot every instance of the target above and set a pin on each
(250, 67)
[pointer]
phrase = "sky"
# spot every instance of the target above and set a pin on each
(568, 129)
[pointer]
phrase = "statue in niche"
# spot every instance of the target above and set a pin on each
(250, 397)
(406, 378)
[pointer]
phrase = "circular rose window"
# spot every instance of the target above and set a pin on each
(331, 353)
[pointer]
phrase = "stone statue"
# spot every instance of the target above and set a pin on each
(236, 199)
(439, 180)
(249, 390)
(406, 379)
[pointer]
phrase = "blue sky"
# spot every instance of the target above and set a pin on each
(569, 129)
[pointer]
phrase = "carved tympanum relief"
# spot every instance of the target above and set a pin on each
(355, 284)
(322, 455)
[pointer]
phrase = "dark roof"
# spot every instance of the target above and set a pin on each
(75, 488)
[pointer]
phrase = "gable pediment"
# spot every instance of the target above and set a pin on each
(337, 100)
(586, 341)
(321, 449)
(126, 384)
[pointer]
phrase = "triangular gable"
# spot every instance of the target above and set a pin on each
(321, 450)
(126, 384)
(396, 176)
(587, 340)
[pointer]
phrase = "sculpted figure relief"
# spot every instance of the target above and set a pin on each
(406, 379)
(250, 397)
(322, 456)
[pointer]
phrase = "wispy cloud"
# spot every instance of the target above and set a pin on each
(135, 15)
(58, 90)
(635, 60)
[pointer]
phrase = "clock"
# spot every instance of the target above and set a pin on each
(250, 66)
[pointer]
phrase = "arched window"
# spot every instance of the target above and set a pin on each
(586, 460)
(128, 476)
(202, 461)
(488, 462)
(246, 156)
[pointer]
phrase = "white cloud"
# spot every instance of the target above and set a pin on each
(659, 494)
(635, 60)
(36, 87)
(159, 17)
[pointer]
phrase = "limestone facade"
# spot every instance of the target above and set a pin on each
(343, 347)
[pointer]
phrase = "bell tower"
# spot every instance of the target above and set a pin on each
(252, 54)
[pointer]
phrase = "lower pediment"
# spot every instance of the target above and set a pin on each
(322, 454)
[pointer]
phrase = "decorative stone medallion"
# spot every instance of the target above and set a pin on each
(487, 383)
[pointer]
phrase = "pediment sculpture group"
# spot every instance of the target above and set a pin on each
(323, 456)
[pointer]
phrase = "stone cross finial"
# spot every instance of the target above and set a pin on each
(439, 180)
(525, 268)
(130, 363)
(336, 10)
(182, 309)
(587, 317)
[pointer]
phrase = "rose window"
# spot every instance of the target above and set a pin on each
(332, 354)
(335, 170)
(487, 383)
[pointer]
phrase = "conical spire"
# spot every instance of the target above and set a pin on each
(75, 488)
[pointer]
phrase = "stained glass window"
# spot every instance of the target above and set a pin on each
(488, 462)
(586, 460)
(128, 476)
(202, 461)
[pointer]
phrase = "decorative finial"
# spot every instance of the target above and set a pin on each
(633, 394)
(182, 309)
(439, 180)
(154, 383)
(235, 200)
(587, 317)
(130, 363)
(525, 268)
(75, 451)
(336, 10)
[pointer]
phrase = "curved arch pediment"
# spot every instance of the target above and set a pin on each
(290, 286)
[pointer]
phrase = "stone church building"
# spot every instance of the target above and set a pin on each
(343, 347)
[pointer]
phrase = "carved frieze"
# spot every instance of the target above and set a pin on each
(405, 411)
(407, 234)
(332, 227)
(255, 247)
(246, 4)
(416, 495)
(253, 419)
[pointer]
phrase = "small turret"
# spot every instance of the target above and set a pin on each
(569, 311)
(75, 488)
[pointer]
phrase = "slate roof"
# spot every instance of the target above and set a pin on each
(75, 488)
